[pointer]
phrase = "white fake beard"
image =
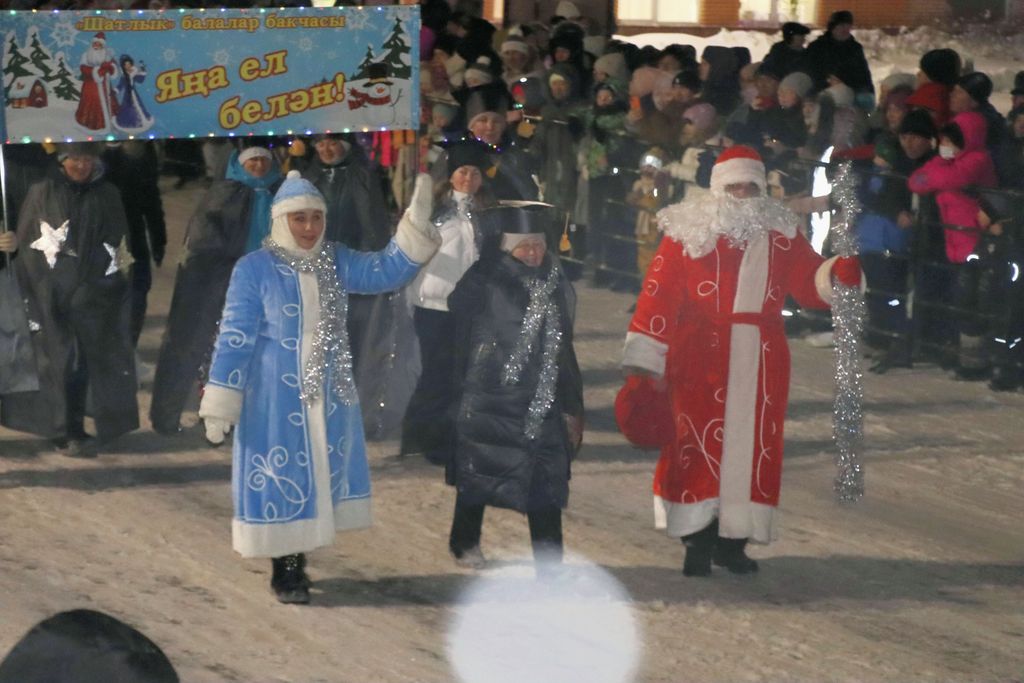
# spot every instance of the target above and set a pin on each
(94, 57)
(699, 224)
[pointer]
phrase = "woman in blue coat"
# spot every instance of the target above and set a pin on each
(282, 375)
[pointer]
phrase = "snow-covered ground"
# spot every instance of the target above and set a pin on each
(985, 46)
(921, 581)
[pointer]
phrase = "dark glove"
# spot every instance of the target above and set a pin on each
(158, 254)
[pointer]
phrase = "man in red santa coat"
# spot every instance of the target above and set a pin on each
(97, 105)
(707, 361)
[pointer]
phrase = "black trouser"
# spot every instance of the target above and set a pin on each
(545, 530)
(76, 390)
(141, 281)
(934, 286)
(426, 427)
(886, 298)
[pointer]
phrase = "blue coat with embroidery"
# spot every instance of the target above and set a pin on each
(258, 352)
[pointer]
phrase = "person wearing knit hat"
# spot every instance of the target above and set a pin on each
(611, 67)
(282, 376)
(837, 49)
(798, 84)
(427, 424)
(567, 10)
(919, 123)
(713, 297)
(700, 121)
(941, 65)
(519, 419)
(230, 221)
(479, 72)
(72, 256)
(1018, 90)
(518, 60)
(971, 94)
(787, 55)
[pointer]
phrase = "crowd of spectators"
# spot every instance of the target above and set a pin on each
(610, 132)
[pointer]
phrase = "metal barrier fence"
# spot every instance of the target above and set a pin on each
(1007, 269)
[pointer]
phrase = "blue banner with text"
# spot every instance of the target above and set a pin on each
(114, 75)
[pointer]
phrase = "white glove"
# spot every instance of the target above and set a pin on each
(422, 204)
(216, 429)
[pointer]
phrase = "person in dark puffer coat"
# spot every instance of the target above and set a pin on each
(519, 419)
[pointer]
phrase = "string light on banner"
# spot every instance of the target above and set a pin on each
(848, 310)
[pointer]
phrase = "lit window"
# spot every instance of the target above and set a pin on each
(668, 11)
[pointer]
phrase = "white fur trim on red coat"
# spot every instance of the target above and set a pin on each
(823, 280)
(644, 353)
(737, 170)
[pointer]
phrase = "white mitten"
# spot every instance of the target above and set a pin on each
(216, 430)
(417, 236)
(422, 204)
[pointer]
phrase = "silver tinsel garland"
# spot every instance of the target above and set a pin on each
(541, 314)
(848, 311)
(330, 355)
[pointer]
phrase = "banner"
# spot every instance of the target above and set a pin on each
(113, 75)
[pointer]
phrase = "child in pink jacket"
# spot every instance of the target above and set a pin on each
(963, 163)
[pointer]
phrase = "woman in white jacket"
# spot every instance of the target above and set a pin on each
(426, 426)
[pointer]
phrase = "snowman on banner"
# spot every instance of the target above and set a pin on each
(375, 91)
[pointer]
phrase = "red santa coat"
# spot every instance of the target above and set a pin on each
(712, 326)
(97, 105)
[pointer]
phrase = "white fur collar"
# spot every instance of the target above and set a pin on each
(697, 224)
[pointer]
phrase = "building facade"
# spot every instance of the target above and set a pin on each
(640, 16)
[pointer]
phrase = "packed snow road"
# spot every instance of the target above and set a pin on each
(921, 581)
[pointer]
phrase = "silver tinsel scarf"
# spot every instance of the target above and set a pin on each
(541, 314)
(848, 310)
(330, 355)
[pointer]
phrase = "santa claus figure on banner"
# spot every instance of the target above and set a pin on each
(707, 361)
(98, 104)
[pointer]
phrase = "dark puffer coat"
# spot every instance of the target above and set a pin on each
(215, 240)
(494, 462)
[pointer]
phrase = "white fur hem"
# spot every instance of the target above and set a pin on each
(221, 402)
(287, 538)
(645, 353)
(300, 203)
(683, 519)
(823, 280)
(419, 244)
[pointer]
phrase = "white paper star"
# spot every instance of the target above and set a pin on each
(51, 241)
(112, 250)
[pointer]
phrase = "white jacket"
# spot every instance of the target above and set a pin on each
(458, 252)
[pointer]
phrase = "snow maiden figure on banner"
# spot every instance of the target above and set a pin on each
(282, 374)
(98, 103)
(707, 361)
(132, 116)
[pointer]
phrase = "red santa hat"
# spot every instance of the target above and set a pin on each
(737, 164)
(101, 36)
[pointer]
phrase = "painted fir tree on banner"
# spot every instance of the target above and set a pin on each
(93, 75)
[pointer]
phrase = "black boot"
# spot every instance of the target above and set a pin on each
(289, 581)
(1004, 378)
(698, 550)
(729, 554)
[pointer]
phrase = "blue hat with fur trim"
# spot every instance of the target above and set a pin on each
(296, 194)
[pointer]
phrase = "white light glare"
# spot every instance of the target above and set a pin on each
(574, 627)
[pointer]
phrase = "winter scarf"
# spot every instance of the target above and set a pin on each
(259, 205)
